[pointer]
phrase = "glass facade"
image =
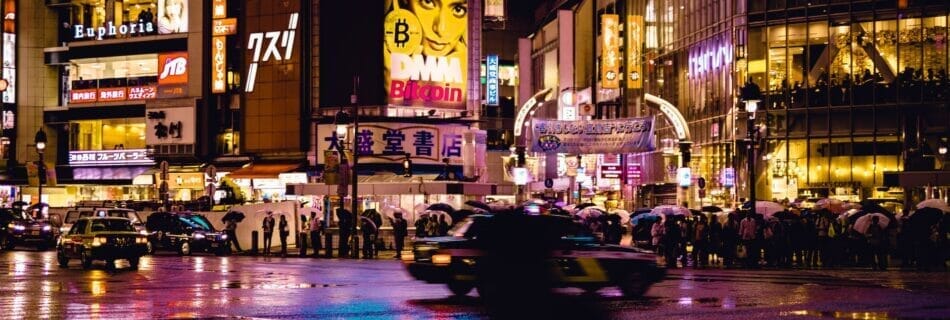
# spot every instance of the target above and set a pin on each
(107, 134)
(852, 89)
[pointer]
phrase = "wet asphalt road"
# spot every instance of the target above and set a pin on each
(168, 286)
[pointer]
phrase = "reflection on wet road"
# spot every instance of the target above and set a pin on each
(169, 286)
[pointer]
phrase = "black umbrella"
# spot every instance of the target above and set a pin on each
(854, 217)
(460, 215)
(711, 209)
(925, 217)
(478, 204)
(583, 205)
(237, 216)
(874, 207)
(441, 207)
(785, 215)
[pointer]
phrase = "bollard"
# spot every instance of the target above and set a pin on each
(328, 246)
(303, 244)
(356, 247)
(254, 244)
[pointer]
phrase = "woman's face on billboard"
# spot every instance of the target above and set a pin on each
(444, 23)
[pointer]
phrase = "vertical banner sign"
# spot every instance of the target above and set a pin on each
(219, 72)
(219, 9)
(634, 43)
(610, 54)
(9, 50)
(495, 9)
(491, 80)
(425, 54)
(273, 93)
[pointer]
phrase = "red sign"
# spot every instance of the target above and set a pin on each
(112, 94)
(173, 68)
(610, 172)
(142, 93)
(83, 96)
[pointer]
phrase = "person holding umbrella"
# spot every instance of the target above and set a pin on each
(877, 245)
(268, 228)
(231, 219)
(316, 229)
(400, 231)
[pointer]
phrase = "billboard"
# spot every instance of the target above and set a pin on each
(634, 45)
(9, 50)
(631, 135)
(273, 47)
(172, 16)
(610, 56)
(390, 142)
(174, 125)
(425, 54)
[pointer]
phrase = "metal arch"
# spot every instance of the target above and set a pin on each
(676, 118)
(536, 100)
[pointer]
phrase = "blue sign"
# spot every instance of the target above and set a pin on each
(684, 176)
(491, 84)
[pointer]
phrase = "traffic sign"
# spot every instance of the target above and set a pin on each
(701, 182)
(548, 183)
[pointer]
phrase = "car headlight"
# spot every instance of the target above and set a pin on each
(199, 236)
(63, 229)
(441, 259)
(224, 237)
(98, 241)
(19, 227)
(47, 228)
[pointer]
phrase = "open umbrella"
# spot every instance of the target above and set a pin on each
(478, 205)
(864, 222)
(765, 208)
(785, 215)
(591, 212)
(934, 203)
(646, 217)
(833, 205)
(925, 217)
(584, 205)
(711, 209)
(624, 215)
(237, 216)
(671, 210)
(441, 207)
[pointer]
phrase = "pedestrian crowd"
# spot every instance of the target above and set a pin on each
(794, 238)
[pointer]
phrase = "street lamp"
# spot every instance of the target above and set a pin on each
(751, 95)
(40, 141)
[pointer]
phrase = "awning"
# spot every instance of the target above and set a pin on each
(263, 170)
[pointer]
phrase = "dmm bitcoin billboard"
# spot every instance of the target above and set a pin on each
(272, 91)
(426, 53)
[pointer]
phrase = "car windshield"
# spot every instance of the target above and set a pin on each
(111, 225)
(196, 222)
(131, 215)
(16, 213)
(73, 216)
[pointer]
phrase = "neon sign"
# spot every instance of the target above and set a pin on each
(708, 56)
(255, 42)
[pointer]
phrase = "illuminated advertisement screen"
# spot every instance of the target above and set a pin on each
(172, 16)
(9, 50)
(426, 53)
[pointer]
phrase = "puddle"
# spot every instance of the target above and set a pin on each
(272, 286)
(839, 315)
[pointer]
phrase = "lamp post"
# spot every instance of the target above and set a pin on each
(40, 141)
(751, 95)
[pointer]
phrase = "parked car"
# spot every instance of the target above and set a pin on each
(19, 228)
(463, 260)
(184, 232)
(101, 238)
(74, 214)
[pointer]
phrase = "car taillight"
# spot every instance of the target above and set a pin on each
(441, 259)
(141, 240)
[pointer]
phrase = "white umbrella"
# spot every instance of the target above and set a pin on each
(934, 203)
(624, 215)
(591, 212)
(569, 208)
(768, 208)
(864, 222)
(833, 205)
(671, 210)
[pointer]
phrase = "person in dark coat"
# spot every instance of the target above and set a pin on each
(421, 226)
(715, 239)
(613, 232)
(267, 227)
(369, 237)
(346, 225)
(671, 242)
(230, 229)
(316, 230)
(284, 228)
(700, 238)
(400, 231)
(877, 245)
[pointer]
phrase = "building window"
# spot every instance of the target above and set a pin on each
(107, 134)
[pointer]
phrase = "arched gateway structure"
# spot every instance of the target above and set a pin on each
(672, 114)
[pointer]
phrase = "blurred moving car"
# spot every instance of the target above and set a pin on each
(570, 257)
(184, 232)
(19, 228)
(74, 214)
(101, 238)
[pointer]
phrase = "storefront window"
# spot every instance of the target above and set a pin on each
(113, 71)
(107, 134)
(910, 58)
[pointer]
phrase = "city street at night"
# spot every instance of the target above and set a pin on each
(169, 286)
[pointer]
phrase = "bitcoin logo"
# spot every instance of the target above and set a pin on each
(402, 31)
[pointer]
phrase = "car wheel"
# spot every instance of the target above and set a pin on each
(633, 286)
(185, 248)
(86, 260)
(63, 260)
(460, 288)
(134, 263)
